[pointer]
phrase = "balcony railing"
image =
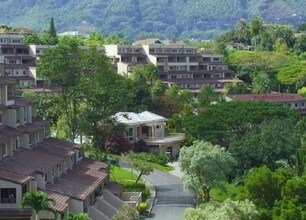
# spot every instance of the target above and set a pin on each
(8, 200)
(166, 139)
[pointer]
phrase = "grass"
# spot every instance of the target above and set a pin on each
(128, 180)
(163, 168)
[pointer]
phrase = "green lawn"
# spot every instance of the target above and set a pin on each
(128, 180)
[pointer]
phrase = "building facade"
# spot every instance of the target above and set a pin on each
(179, 63)
(31, 160)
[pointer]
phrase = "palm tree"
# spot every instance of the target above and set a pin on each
(38, 201)
(242, 31)
(207, 95)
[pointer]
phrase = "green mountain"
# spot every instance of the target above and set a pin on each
(144, 18)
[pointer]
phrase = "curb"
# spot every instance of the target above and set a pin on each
(152, 196)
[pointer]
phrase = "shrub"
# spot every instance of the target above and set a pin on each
(160, 159)
(142, 207)
(117, 144)
(140, 146)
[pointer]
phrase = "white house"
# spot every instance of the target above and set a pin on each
(150, 127)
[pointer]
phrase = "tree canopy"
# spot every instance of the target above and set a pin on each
(204, 166)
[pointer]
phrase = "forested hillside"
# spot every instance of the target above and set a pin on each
(140, 18)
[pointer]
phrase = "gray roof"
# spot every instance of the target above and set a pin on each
(131, 118)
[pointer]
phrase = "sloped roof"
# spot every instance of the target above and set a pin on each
(131, 118)
(277, 97)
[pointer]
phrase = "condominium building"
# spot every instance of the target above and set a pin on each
(179, 63)
(16, 60)
(31, 160)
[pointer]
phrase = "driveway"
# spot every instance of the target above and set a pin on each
(171, 198)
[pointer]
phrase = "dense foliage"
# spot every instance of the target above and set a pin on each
(163, 18)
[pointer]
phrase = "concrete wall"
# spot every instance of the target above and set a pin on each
(76, 206)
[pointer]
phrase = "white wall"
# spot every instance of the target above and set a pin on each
(7, 184)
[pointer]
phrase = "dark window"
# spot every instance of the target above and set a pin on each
(8, 195)
(24, 189)
(46, 178)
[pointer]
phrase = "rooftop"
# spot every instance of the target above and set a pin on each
(280, 97)
(131, 118)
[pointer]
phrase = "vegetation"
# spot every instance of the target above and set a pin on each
(205, 166)
(127, 212)
(38, 201)
(80, 216)
(136, 19)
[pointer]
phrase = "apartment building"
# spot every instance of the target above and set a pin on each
(31, 160)
(16, 60)
(179, 63)
(150, 128)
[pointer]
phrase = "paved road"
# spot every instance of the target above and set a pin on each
(171, 199)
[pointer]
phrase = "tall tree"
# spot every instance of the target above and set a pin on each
(50, 35)
(242, 31)
(38, 201)
(61, 66)
(204, 166)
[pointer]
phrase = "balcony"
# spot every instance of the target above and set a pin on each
(169, 138)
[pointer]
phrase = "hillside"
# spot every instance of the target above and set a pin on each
(140, 18)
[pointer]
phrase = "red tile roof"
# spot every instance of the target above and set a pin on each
(92, 164)
(281, 97)
(115, 188)
(60, 202)
(78, 183)
(14, 177)
(64, 144)
(6, 133)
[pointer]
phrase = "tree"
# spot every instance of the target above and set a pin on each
(38, 201)
(242, 31)
(263, 187)
(204, 166)
(220, 123)
(173, 92)
(236, 88)
(256, 26)
(266, 143)
(61, 66)
(80, 216)
(127, 212)
(261, 84)
(117, 144)
(158, 89)
(292, 203)
(228, 210)
(207, 95)
(143, 167)
(50, 35)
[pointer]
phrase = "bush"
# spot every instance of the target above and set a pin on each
(117, 144)
(140, 146)
(142, 208)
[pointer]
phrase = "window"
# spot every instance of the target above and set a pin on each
(4, 150)
(158, 126)
(8, 195)
(53, 172)
(46, 178)
(131, 134)
(12, 61)
(59, 168)
(0, 119)
(301, 105)
(296, 105)
(24, 189)
(16, 40)
(24, 72)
